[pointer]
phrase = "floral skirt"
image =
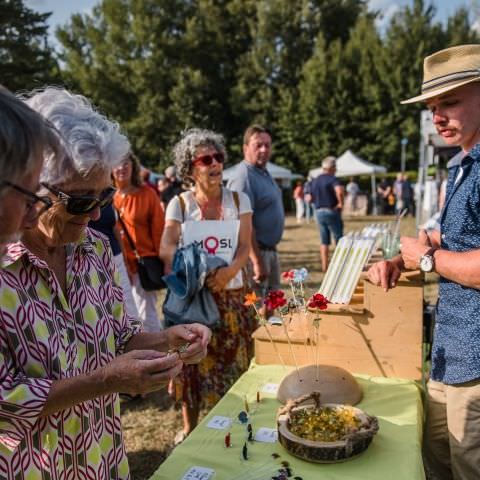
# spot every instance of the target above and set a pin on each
(229, 354)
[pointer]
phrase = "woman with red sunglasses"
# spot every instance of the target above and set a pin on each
(222, 221)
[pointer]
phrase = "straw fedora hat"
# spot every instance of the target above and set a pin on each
(448, 69)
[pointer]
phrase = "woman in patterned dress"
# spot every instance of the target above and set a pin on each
(66, 346)
(199, 157)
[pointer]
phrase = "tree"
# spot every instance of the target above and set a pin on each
(26, 59)
(411, 36)
(459, 29)
(158, 66)
(317, 72)
(283, 38)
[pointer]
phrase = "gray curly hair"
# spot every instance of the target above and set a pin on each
(186, 148)
(91, 140)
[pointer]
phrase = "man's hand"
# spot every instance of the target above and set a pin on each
(414, 248)
(385, 274)
(141, 371)
(195, 335)
(259, 271)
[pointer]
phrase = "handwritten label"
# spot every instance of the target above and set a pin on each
(219, 423)
(267, 435)
(270, 388)
(199, 473)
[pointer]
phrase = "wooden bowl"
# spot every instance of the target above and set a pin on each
(351, 445)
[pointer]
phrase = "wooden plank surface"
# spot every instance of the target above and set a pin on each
(380, 335)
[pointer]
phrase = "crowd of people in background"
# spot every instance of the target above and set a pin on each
(392, 197)
(86, 221)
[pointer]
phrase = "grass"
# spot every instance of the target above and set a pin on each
(150, 424)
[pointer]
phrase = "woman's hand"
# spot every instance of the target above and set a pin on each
(141, 371)
(218, 280)
(195, 335)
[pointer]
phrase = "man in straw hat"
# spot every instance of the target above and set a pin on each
(451, 90)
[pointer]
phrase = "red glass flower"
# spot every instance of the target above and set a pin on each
(275, 299)
(318, 302)
(288, 275)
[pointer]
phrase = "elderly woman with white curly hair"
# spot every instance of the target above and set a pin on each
(222, 221)
(66, 346)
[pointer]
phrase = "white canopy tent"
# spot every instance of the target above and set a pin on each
(351, 165)
(284, 175)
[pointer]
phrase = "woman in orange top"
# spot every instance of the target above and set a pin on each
(143, 215)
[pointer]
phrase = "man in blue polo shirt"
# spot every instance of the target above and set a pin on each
(252, 177)
(451, 89)
(327, 195)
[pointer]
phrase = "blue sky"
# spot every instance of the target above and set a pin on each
(62, 9)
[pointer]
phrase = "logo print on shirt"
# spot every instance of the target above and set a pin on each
(211, 244)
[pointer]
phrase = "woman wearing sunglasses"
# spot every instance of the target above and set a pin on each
(221, 220)
(66, 346)
(143, 218)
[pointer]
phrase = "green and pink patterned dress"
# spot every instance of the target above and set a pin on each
(46, 335)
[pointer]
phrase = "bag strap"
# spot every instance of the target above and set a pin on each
(236, 200)
(181, 200)
(130, 241)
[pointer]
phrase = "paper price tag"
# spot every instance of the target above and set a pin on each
(219, 423)
(270, 388)
(267, 435)
(199, 473)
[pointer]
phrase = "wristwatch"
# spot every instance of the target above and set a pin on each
(427, 261)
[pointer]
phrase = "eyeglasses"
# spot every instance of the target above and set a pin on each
(35, 203)
(207, 160)
(82, 204)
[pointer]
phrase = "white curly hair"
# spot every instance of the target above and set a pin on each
(186, 148)
(90, 139)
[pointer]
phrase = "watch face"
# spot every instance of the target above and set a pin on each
(426, 263)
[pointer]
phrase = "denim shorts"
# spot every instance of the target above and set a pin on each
(329, 222)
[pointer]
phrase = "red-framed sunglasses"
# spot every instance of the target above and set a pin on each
(207, 160)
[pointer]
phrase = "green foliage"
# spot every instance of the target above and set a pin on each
(317, 72)
(25, 58)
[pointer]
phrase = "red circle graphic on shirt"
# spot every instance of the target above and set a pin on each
(211, 244)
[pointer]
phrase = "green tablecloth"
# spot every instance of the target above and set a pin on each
(395, 452)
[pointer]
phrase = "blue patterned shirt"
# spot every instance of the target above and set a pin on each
(456, 344)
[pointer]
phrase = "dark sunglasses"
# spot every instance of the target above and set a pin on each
(207, 160)
(39, 204)
(82, 204)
